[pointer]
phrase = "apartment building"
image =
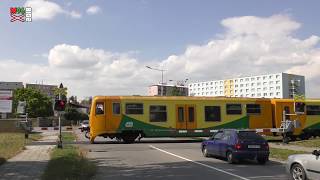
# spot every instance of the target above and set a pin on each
(279, 85)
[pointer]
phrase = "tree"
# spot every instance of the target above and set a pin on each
(38, 104)
(73, 114)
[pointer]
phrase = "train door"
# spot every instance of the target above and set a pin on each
(186, 117)
(99, 122)
(113, 115)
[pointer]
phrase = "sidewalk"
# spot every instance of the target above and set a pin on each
(31, 162)
(291, 147)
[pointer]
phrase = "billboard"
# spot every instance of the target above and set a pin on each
(5, 101)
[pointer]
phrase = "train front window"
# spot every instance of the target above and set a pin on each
(99, 108)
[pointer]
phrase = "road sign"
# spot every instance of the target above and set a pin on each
(21, 107)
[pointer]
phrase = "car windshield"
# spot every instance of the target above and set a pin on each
(247, 135)
(85, 122)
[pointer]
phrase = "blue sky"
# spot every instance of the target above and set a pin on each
(146, 31)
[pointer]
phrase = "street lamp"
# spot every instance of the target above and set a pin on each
(162, 70)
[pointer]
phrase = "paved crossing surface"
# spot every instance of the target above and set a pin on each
(170, 158)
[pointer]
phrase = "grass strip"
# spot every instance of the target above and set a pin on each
(282, 154)
(307, 143)
(69, 163)
(12, 143)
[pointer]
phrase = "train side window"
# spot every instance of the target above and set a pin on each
(180, 114)
(116, 108)
(134, 108)
(313, 109)
(253, 108)
(99, 108)
(212, 113)
(234, 109)
(191, 114)
(158, 113)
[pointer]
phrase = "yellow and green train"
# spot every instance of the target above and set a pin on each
(132, 117)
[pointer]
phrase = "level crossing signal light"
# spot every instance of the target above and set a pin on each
(60, 105)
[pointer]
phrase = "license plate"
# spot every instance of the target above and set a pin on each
(254, 146)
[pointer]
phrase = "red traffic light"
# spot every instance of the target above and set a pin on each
(60, 105)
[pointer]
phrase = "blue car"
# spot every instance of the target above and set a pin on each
(235, 145)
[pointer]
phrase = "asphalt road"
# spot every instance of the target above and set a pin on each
(170, 158)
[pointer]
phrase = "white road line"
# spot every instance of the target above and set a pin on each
(205, 165)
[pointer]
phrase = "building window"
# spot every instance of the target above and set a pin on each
(278, 93)
(134, 108)
(258, 78)
(259, 83)
(212, 113)
(241, 80)
(252, 79)
(270, 77)
(99, 108)
(313, 110)
(278, 87)
(247, 79)
(158, 113)
(277, 76)
(233, 109)
(271, 94)
(253, 108)
(116, 108)
(277, 82)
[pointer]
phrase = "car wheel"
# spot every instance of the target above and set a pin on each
(230, 157)
(205, 152)
(262, 160)
(297, 172)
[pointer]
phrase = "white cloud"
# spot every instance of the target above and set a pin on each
(75, 14)
(93, 10)
(250, 46)
(43, 10)
(47, 10)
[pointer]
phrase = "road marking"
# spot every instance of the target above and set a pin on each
(205, 165)
(258, 177)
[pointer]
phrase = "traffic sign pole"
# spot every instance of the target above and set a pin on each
(60, 134)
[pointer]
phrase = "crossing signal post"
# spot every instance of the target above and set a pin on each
(60, 105)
